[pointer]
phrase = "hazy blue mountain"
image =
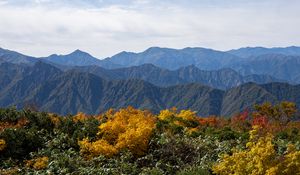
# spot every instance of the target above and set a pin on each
(15, 57)
(257, 51)
(280, 66)
(206, 59)
(283, 64)
(53, 90)
(79, 58)
(222, 79)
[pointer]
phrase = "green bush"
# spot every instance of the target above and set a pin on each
(20, 142)
(194, 170)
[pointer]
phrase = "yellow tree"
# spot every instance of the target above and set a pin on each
(2, 144)
(184, 119)
(259, 158)
(126, 129)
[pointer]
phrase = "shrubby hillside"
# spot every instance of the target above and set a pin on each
(132, 141)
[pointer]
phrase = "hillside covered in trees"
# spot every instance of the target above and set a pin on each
(73, 91)
(133, 141)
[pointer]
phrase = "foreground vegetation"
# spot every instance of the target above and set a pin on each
(132, 141)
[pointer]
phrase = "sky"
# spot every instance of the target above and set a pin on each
(106, 27)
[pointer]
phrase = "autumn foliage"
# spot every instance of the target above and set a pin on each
(260, 157)
(2, 144)
(126, 129)
(13, 124)
(38, 163)
(264, 139)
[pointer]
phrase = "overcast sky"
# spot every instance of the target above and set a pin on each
(106, 27)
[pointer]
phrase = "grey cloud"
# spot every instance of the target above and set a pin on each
(107, 27)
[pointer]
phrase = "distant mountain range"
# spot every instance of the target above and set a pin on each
(257, 51)
(206, 59)
(280, 63)
(15, 57)
(72, 91)
(79, 58)
(280, 66)
(208, 81)
(221, 79)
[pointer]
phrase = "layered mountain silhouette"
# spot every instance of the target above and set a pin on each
(280, 63)
(206, 59)
(79, 58)
(208, 81)
(54, 90)
(221, 79)
(257, 51)
(280, 66)
(15, 57)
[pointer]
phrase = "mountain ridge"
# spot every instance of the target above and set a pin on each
(75, 91)
(281, 63)
(256, 51)
(222, 79)
(78, 58)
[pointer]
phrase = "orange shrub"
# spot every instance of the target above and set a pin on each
(239, 122)
(56, 120)
(2, 144)
(260, 120)
(38, 163)
(80, 117)
(208, 121)
(19, 124)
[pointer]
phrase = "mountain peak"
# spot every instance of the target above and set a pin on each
(155, 49)
(76, 58)
(79, 52)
